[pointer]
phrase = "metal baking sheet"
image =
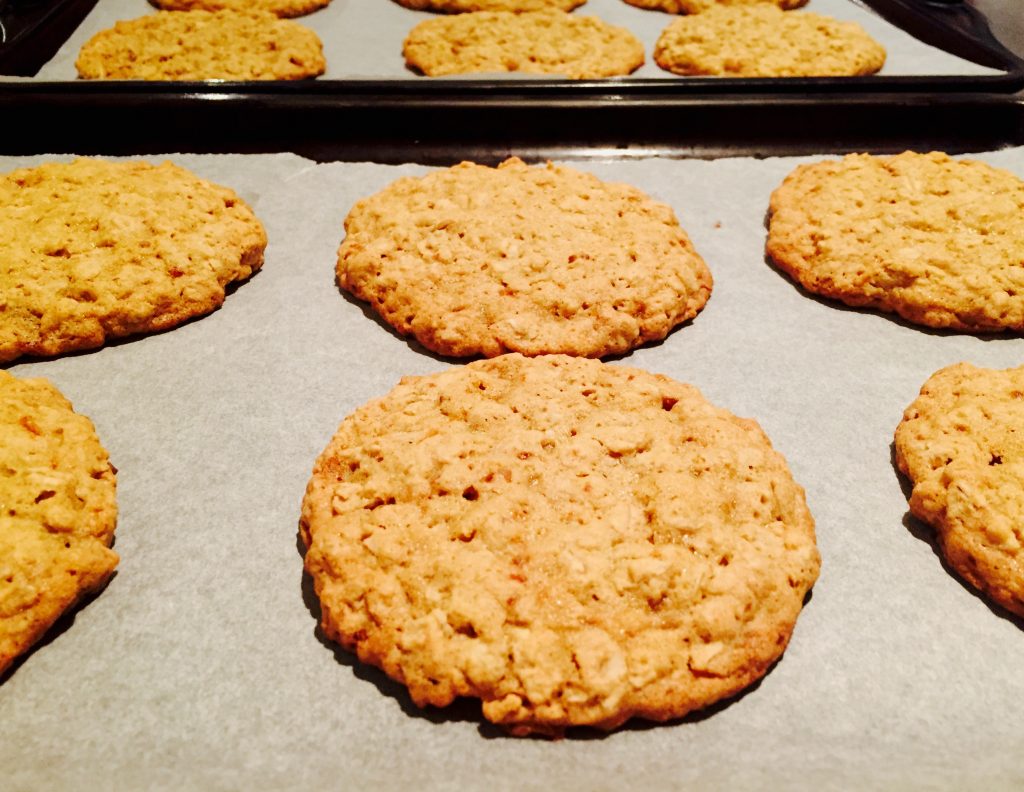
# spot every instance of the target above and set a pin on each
(435, 122)
(363, 38)
(201, 667)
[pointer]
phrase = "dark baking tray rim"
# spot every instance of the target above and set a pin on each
(951, 25)
(437, 127)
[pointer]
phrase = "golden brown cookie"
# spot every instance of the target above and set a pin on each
(203, 45)
(474, 260)
(281, 8)
(537, 42)
(59, 511)
(764, 41)
(938, 241)
(961, 443)
(571, 542)
(698, 6)
(464, 6)
(98, 250)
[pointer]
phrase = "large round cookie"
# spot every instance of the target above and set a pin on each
(281, 8)
(699, 6)
(464, 6)
(59, 510)
(936, 240)
(764, 41)
(573, 543)
(203, 45)
(537, 42)
(961, 443)
(479, 261)
(97, 250)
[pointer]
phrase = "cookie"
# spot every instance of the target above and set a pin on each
(961, 443)
(281, 8)
(537, 42)
(98, 250)
(480, 261)
(571, 542)
(464, 6)
(764, 41)
(203, 45)
(59, 510)
(698, 6)
(936, 240)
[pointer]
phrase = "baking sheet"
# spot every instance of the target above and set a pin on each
(200, 667)
(363, 38)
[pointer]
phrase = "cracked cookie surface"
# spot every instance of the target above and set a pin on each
(765, 41)
(101, 250)
(936, 240)
(474, 260)
(203, 45)
(571, 542)
(961, 443)
(57, 492)
(538, 42)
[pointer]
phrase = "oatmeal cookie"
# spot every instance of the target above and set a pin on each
(468, 6)
(203, 45)
(59, 510)
(98, 250)
(571, 542)
(537, 42)
(961, 443)
(281, 8)
(698, 6)
(474, 260)
(936, 240)
(764, 41)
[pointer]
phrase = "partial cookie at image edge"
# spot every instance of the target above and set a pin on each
(285, 9)
(961, 445)
(129, 248)
(934, 239)
(700, 6)
(60, 510)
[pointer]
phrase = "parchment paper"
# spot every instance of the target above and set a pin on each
(200, 667)
(363, 38)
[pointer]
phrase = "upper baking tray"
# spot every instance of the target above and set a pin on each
(931, 45)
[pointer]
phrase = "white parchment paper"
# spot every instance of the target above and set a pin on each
(200, 666)
(363, 38)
